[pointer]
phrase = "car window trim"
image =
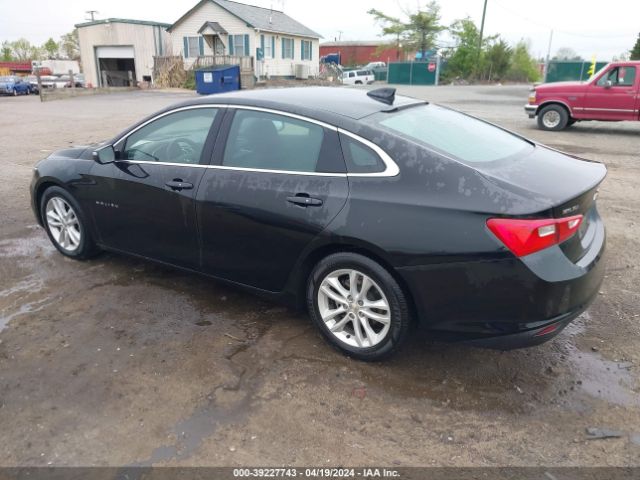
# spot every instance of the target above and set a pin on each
(391, 167)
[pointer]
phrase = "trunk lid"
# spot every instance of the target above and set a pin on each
(566, 183)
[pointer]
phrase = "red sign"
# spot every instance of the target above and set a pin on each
(432, 67)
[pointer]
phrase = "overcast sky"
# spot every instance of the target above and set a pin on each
(589, 27)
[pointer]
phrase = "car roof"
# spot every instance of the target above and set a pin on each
(313, 102)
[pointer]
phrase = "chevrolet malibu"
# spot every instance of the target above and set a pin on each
(374, 211)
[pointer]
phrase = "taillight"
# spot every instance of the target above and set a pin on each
(524, 237)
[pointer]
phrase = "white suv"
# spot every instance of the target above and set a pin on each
(358, 77)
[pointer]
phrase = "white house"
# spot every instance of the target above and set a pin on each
(280, 46)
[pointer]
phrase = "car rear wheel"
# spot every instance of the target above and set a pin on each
(65, 224)
(553, 117)
(358, 306)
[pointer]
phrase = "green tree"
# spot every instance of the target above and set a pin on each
(70, 45)
(524, 67)
(463, 60)
(6, 52)
(497, 60)
(418, 32)
(424, 27)
(51, 48)
(391, 26)
(635, 51)
(22, 49)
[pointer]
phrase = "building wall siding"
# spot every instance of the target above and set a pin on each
(147, 41)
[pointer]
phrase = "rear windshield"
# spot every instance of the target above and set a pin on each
(453, 134)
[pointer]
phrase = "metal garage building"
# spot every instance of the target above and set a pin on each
(118, 52)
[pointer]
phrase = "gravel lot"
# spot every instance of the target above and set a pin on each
(120, 362)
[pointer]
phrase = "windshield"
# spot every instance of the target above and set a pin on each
(452, 133)
(595, 75)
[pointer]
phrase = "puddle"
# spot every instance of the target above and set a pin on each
(15, 300)
(600, 378)
(26, 247)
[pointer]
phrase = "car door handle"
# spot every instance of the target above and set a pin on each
(177, 185)
(304, 200)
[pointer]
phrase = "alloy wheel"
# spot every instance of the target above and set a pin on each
(63, 224)
(354, 308)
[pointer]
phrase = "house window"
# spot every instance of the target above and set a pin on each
(306, 49)
(268, 46)
(287, 48)
(192, 47)
(238, 44)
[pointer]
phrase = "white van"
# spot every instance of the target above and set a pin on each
(358, 77)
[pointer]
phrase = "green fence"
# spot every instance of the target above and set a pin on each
(570, 71)
(412, 73)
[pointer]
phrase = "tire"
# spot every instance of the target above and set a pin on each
(553, 118)
(358, 82)
(56, 203)
(382, 338)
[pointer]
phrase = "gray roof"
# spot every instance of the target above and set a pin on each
(258, 17)
(122, 20)
(215, 26)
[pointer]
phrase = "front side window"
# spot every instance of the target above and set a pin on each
(175, 138)
(268, 141)
(619, 77)
(452, 133)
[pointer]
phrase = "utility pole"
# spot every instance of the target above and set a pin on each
(92, 13)
(546, 65)
(484, 14)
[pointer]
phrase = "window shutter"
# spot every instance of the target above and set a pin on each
(201, 45)
(262, 43)
(301, 49)
(293, 49)
(273, 47)
(231, 45)
(310, 49)
(283, 47)
(186, 47)
(247, 52)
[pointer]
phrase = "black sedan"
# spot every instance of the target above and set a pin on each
(375, 211)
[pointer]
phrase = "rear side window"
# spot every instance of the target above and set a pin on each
(453, 134)
(269, 141)
(360, 158)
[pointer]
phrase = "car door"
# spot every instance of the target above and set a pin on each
(277, 182)
(614, 100)
(145, 202)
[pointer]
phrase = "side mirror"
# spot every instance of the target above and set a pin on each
(105, 155)
(608, 84)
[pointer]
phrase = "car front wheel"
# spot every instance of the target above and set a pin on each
(358, 306)
(553, 117)
(65, 224)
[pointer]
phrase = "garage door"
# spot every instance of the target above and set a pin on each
(114, 52)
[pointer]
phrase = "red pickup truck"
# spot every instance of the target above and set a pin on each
(612, 94)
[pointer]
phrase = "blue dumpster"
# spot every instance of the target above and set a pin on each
(218, 80)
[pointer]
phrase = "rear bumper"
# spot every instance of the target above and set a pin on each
(506, 302)
(531, 110)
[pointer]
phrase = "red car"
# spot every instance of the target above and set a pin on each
(612, 94)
